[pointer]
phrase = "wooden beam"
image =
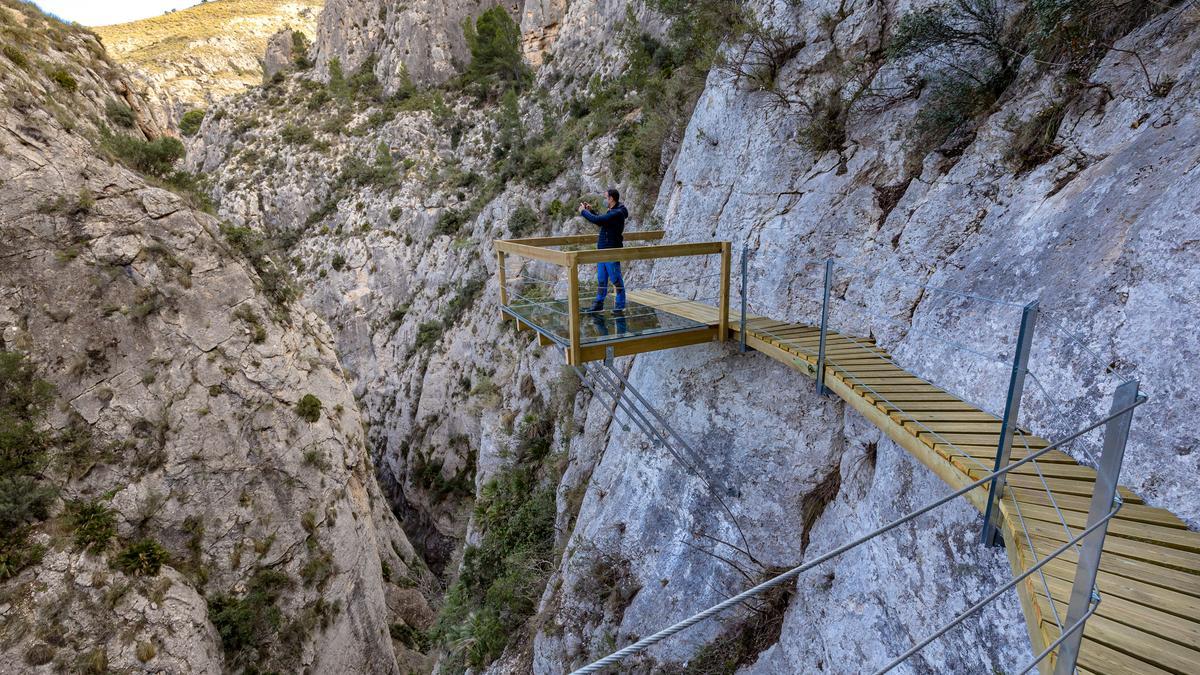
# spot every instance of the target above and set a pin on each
(535, 252)
(573, 334)
(577, 239)
(723, 315)
(503, 275)
(647, 252)
(649, 343)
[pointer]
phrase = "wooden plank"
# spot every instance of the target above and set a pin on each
(648, 252)
(939, 406)
(1166, 600)
(1038, 640)
(574, 239)
(1136, 570)
(1153, 554)
(1096, 654)
(535, 252)
(1136, 512)
(986, 440)
(926, 417)
(1130, 629)
(648, 343)
(1184, 540)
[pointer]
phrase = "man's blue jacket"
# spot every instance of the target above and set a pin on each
(612, 226)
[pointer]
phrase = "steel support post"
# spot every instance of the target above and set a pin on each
(742, 320)
(821, 390)
(1012, 406)
(1104, 499)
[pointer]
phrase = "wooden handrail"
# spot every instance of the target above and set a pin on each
(575, 239)
(535, 252)
(647, 252)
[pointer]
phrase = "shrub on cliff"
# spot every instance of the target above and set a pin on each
(119, 113)
(497, 64)
(190, 124)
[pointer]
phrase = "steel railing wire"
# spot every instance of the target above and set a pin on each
(645, 643)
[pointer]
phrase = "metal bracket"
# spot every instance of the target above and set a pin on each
(821, 389)
(1008, 429)
(1083, 592)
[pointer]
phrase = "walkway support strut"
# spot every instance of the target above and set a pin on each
(1104, 497)
(742, 321)
(1012, 406)
(821, 389)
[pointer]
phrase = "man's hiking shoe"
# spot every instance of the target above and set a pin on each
(597, 307)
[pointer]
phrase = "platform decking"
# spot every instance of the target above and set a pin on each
(1149, 618)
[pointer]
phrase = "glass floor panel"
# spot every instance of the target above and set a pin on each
(607, 325)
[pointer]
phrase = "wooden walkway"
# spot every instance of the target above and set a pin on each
(1148, 620)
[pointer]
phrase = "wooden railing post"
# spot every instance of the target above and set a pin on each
(503, 274)
(723, 325)
(573, 353)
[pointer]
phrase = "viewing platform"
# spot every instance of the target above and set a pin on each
(558, 313)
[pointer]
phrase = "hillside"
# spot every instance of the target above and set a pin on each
(183, 477)
(194, 56)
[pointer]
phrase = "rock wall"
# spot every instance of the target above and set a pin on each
(1096, 234)
(424, 37)
(179, 379)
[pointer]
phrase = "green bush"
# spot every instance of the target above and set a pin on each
(428, 333)
(190, 124)
(119, 113)
(296, 135)
(276, 284)
(338, 262)
(16, 56)
(143, 558)
(155, 158)
(249, 625)
(449, 223)
(300, 58)
(496, 64)
(523, 221)
(309, 408)
(93, 523)
(64, 79)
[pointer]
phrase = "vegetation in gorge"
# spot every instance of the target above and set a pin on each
(26, 497)
(503, 577)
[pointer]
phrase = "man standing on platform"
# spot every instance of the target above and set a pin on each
(612, 235)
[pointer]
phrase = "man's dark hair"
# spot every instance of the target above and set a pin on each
(612, 192)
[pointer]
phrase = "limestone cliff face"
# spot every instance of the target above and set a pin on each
(179, 379)
(425, 37)
(369, 194)
(1098, 234)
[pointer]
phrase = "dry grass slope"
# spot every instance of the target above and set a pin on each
(209, 50)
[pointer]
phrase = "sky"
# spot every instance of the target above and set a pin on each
(104, 12)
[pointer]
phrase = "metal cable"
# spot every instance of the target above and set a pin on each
(929, 287)
(1079, 341)
(1053, 502)
(997, 593)
(644, 643)
(1029, 540)
(1063, 636)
